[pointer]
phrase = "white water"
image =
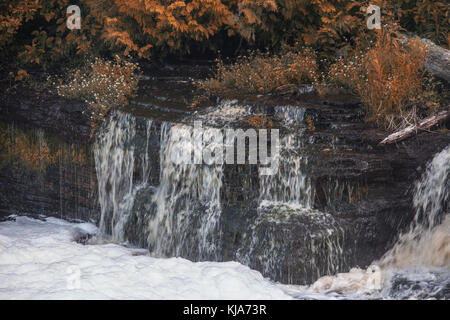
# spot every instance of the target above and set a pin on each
(40, 260)
(418, 265)
(427, 243)
(286, 198)
(182, 187)
(289, 184)
(114, 162)
(187, 210)
(184, 210)
(114, 153)
(290, 115)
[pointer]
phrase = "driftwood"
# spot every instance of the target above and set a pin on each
(425, 124)
(437, 60)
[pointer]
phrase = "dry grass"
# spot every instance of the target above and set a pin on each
(391, 81)
(261, 73)
(348, 73)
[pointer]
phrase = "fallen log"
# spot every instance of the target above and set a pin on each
(425, 124)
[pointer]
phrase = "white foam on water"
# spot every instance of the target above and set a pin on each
(418, 265)
(427, 243)
(39, 260)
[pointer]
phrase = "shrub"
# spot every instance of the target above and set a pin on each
(429, 19)
(262, 73)
(13, 14)
(36, 29)
(102, 85)
(390, 79)
(347, 73)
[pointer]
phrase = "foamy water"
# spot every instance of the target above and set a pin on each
(41, 260)
(38, 258)
(418, 265)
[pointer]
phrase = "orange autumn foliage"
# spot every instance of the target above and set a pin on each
(13, 14)
(390, 79)
(142, 27)
(173, 25)
(396, 82)
(263, 73)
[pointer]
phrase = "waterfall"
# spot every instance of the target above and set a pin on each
(290, 115)
(114, 153)
(181, 214)
(114, 162)
(152, 193)
(286, 199)
(418, 265)
(187, 200)
(427, 243)
(145, 156)
(289, 184)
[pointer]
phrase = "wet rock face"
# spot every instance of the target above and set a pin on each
(431, 286)
(293, 244)
(47, 111)
(60, 187)
(62, 191)
(41, 174)
(367, 188)
(354, 196)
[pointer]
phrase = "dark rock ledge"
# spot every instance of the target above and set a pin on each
(67, 119)
(381, 178)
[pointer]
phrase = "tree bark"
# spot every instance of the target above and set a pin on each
(425, 124)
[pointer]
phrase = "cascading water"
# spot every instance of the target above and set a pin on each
(418, 265)
(115, 153)
(175, 208)
(181, 214)
(286, 199)
(289, 184)
(187, 201)
(427, 243)
(114, 161)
